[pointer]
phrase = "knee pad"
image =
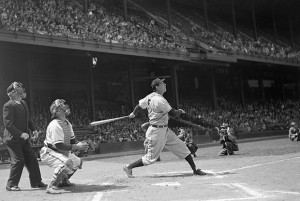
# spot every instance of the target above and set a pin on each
(60, 173)
(69, 164)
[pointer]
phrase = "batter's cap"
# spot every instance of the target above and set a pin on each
(293, 124)
(156, 82)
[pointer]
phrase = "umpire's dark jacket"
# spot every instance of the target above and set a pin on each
(16, 121)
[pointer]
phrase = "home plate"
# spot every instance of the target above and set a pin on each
(167, 184)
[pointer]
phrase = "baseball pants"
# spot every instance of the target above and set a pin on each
(157, 139)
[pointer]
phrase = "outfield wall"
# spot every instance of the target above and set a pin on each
(201, 139)
(114, 147)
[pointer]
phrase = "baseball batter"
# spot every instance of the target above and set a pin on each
(60, 141)
(158, 134)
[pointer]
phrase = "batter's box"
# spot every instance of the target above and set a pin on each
(189, 173)
(237, 191)
(226, 192)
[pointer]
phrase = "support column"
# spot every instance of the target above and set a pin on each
(175, 85)
(254, 20)
(213, 87)
(233, 19)
(131, 78)
(291, 25)
(274, 21)
(31, 62)
(282, 87)
(92, 93)
(125, 10)
(85, 5)
(169, 14)
(297, 83)
(261, 86)
(242, 89)
(205, 14)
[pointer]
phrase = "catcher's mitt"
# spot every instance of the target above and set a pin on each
(90, 143)
(80, 153)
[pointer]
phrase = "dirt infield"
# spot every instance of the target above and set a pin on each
(261, 170)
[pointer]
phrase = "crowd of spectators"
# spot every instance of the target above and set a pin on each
(218, 37)
(68, 19)
(106, 24)
(254, 117)
(221, 41)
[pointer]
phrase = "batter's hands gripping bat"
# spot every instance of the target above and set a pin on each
(96, 123)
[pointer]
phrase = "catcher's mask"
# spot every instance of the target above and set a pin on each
(16, 88)
(59, 104)
(224, 128)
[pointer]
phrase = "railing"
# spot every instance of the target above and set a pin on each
(112, 48)
(94, 46)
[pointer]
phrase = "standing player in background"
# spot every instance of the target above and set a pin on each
(294, 132)
(18, 124)
(158, 134)
(60, 141)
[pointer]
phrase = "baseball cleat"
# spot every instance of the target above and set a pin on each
(199, 172)
(53, 190)
(39, 185)
(128, 171)
(65, 183)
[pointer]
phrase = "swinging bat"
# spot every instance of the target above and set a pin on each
(96, 123)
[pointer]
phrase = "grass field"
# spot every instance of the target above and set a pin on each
(261, 170)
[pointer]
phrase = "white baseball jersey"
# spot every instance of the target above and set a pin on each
(158, 108)
(59, 132)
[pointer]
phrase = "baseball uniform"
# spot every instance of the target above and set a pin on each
(158, 134)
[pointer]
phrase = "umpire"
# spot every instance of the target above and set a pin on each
(17, 123)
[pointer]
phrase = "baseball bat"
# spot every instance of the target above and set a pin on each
(96, 123)
(186, 122)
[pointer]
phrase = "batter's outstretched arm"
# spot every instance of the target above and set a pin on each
(175, 113)
(135, 111)
(200, 121)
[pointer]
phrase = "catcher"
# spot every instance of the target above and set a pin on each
(228, 140)
(294, 132)
(58, 145)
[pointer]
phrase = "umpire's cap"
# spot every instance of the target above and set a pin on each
(156, 82)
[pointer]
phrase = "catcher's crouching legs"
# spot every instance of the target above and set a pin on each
(223, 152)
(60, 173)
(74, 163)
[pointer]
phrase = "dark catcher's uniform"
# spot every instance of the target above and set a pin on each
(16, 119)
(228, 140)
(294, 134)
